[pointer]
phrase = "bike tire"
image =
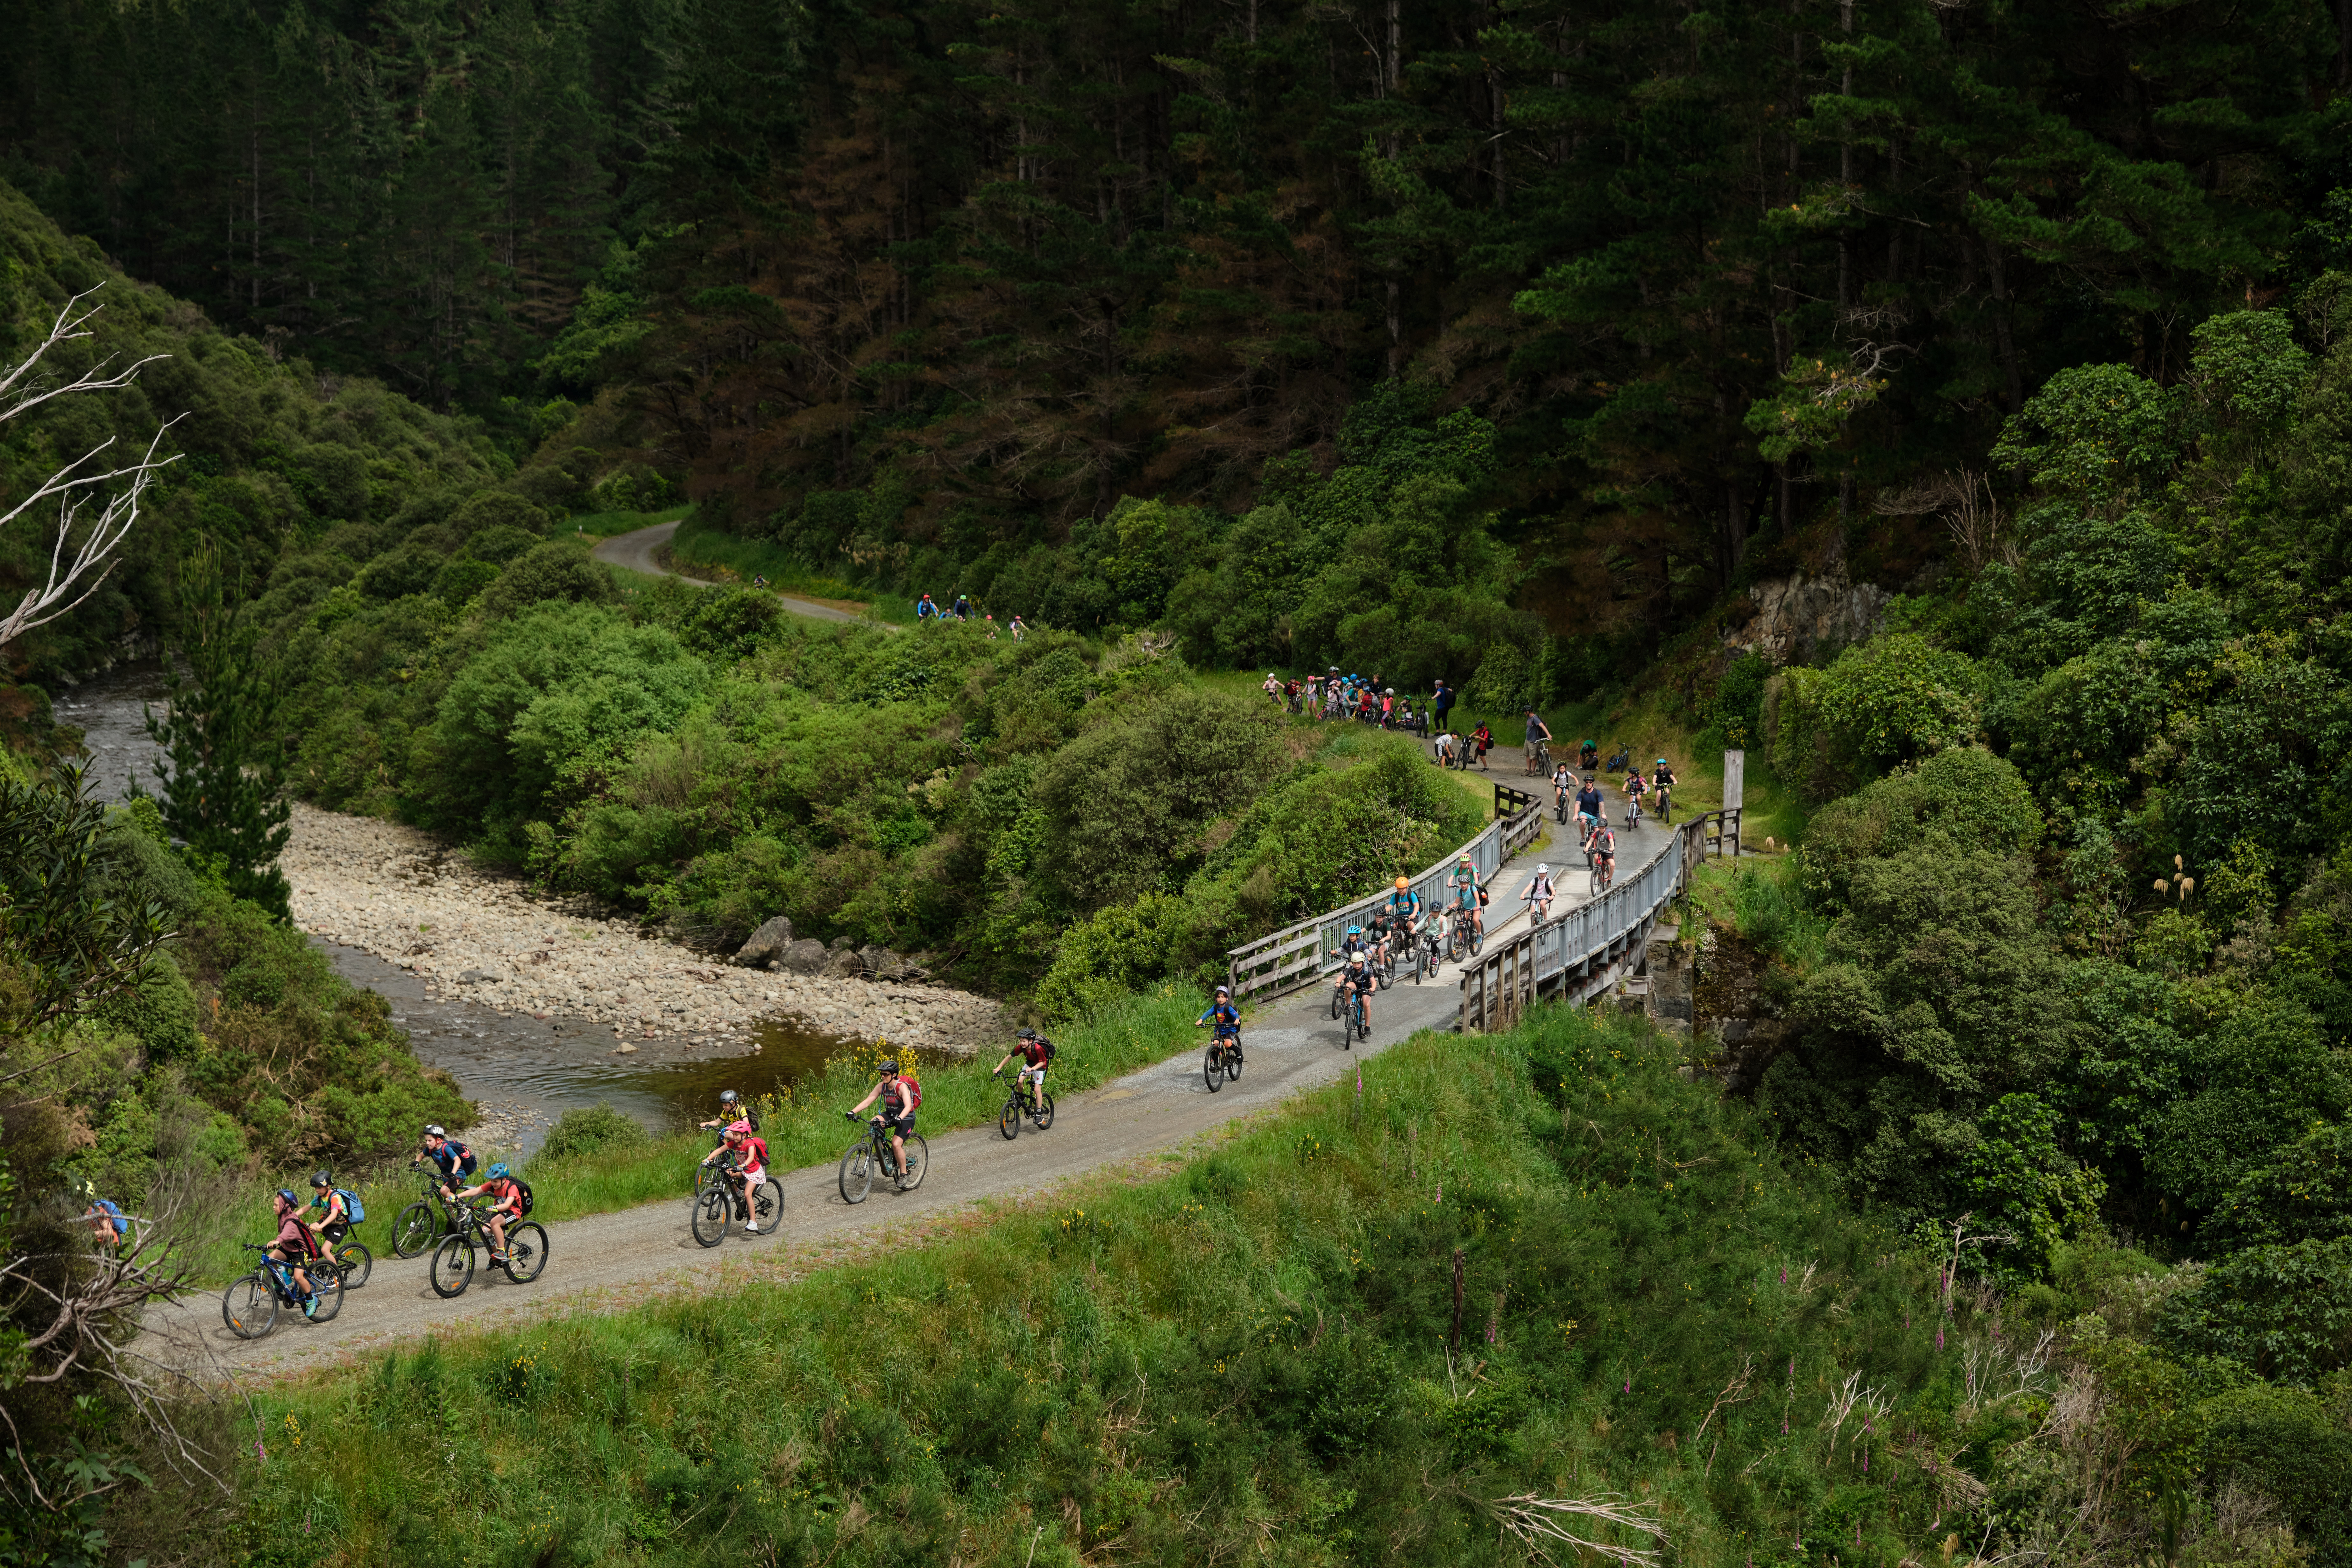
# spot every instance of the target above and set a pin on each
(1008, 1121)
(1455, 949)
(767, 1205)
(249, 1307)
(355, 1263)
(918, 1163)
(526, 1252)
(1233, 1060)
(856, 1173)
(413, 1231)
(452, 1268)
(1045, 1113)
(1477, 942)
(713, 1216)
(326, 1289)
(1338, 1000)
(1212, 1068)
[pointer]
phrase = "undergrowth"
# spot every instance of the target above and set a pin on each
(1527, 1267)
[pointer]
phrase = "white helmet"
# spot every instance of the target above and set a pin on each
(1543, 871)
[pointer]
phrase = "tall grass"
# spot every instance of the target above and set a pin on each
(805, 1129)
(1530, 1265)
(704, 548)
(604, 524)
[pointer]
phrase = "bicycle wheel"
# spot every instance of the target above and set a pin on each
(413, 1232)
(714, 1212)
(1044, 1115)
(767, 1205)
(1213, 1067)
(526, 1252)
(249, 1307)
(1355, 1021)
(453, 1267)
(1454, 947)
(1008, 1121)
(1338, 1000)
(919, 1161)
(1233, 1060)
(1477, 941)
(856, 1173)
(355, 1263)
(326, 1289)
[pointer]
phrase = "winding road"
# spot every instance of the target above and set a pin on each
(639, 552)
(609, 1262)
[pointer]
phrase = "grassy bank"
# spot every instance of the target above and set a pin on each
(1530, 1266)
(805, 1130)
(700, 548)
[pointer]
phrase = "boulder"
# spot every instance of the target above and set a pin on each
(844, 964)
(842, 943)
(471, 977)
(805, 956)
(766, 944)
(881, 964)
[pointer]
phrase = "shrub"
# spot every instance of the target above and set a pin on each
(590, 1130)
(2283, 1312)
(1965, 798)
(559, 569)
(1111, 953)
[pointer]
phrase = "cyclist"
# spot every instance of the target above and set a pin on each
(1387, 708)
(750, 1152)
(1464, 888)
(1662, 785)
(1016, 628)
(1225, 1021)
(335, 1220)
(505, 1194)
(1377, 931)
(109, 1226)
(1561, 778)
(1590, 807)
(1587, 757)
(295, 1245)
(1035, 1053)
(1537, 738)
(963, 607)
(925, 610)
(454, 1160)
(1634, 791)
(1539, 894)
(1358, 977)
(897, 1093)
(1482, 740)
(1604, 849)
(1404, 908)
(1273, 687)
(732, 1109)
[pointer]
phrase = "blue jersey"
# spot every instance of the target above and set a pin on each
(1226, 1017)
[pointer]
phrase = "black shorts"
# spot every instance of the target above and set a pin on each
(901, 1125)
(1367, 981)
(334, 1232)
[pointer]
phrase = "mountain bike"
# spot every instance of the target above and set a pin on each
(1222, 1061)
(416, 1228)
(249, 1306)
(1037, 1106)
(716, 1203)
(1633, 812)
(873, 1153)
(453, 1260)
(1604, 872)
(1357, 1027)
(1463, 936)
(1425, 953)
(1665, 806)
(352, 1261)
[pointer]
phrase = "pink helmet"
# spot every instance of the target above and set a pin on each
(739, 1128)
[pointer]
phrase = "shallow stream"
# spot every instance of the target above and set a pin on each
(523, 1072)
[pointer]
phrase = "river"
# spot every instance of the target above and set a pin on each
(523, 1072)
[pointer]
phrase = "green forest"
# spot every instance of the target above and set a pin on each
(1523, 347)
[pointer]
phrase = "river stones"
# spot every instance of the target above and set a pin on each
(766, 944)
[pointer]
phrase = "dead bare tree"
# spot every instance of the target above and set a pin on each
(1535, 1522)
(83, 553)
(1964, 499)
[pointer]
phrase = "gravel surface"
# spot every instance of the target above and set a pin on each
(411, 900)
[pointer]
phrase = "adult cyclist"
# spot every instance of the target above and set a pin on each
(505, 1194)
(1662, 785)
(1539, 738)
(1035, 1053)
(1589, 808)
(899, 1096)
(1225, 1021)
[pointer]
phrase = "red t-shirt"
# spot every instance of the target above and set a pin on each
(751, 1154)
(503, 1193)
(1033, 1051)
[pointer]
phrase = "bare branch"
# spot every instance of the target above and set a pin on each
(74, 576)
(1535, 1522)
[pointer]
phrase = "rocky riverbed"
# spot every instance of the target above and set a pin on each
(405, 897)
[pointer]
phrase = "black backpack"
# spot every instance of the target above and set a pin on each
(1048, 1045)
(522, 1192)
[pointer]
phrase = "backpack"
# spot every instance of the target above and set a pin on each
(914, 1093)
(522, 1195)
(1048, 1045)
(352, 1207)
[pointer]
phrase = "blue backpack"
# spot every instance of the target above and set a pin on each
(351, 1204)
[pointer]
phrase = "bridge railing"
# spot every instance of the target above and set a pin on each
(1300, 954)
(1588, 947)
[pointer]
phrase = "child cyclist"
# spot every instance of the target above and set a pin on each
(1225, 1021)
(505, 1194)
(1035, 1053)
(295, 1244)
(750, 1152)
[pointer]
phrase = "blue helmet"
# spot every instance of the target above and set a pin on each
(286, 1196)
(1355, 931)
(497, 1171)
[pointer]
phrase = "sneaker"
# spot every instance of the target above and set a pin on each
(750, 1227)
(500, 1258)
(310, 1306)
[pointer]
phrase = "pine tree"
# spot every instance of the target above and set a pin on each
(223, 786)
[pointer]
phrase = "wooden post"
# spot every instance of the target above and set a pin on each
(1734, 795)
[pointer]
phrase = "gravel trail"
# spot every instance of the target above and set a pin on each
(640, 552)
(1139, 1125)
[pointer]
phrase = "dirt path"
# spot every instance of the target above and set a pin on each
(638, 551)
(609, 1262)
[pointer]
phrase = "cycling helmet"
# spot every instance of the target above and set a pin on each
(1543, 871)
(1355, 931)
(286, 1196)
(1225, 990)
(890, 1069)
(1389, 692)
(1662, 762)
(434, 1132)
(495, 1172)
(320, 1178)
(1402, 882)
(1027, 1033)
(738, 1129)
(728, 1096)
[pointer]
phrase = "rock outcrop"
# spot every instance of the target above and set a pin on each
(1795, 619)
